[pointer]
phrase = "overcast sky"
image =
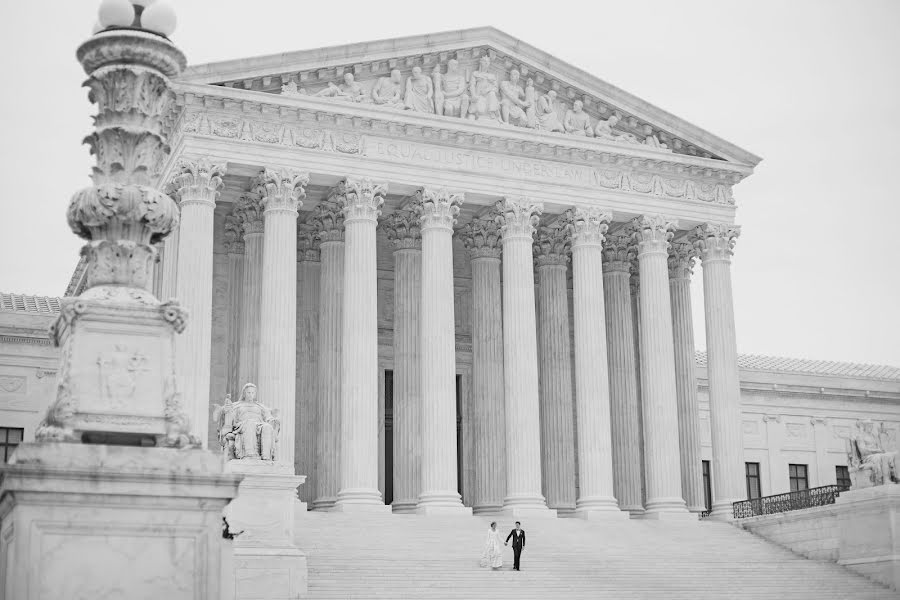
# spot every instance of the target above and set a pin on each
(811, 86)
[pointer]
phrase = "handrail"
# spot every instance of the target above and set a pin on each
(780, 503)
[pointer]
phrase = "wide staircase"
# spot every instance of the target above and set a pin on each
(411, 557)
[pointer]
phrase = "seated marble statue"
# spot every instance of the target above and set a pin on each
(545, 111)
(483, 89)
(419, 92)
(870, 464)
(450, 97)
(247, 428)
(389, 91)
(512, 101)
(578, 122)
(653, 142)
(605, 129)
(349, 90)
(291, 89)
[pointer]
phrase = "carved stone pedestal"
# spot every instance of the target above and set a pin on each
(84, 521)
(267, 564)
(869, 532)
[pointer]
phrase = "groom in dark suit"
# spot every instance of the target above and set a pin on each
(518, 536)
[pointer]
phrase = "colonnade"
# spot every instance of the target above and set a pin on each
(636, 425)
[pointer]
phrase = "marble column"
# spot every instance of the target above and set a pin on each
(197, 184)
(715, 243)
(620, 345)
(402, 229)
(249, 212)
(518, 217)
(234, 249)
(309, 269)
(660, 410)
(681, 264)
(169, 267)
(634, 284)
(329, 222)
(439, 494)
(482, 240)
(555, 368)
(359, 357)
(281, 192)
(596, 500)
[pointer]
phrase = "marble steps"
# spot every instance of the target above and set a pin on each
(406, 556)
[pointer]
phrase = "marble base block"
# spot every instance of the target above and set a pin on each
(87, 521)
(869, 526)
(443, 511)
(527, 512)
(596, 514)
(267, 563)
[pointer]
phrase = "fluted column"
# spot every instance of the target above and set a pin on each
(249, 212)
(624, 405)
(402, 229)
(169, 267)
(595, 463)
(555, 369)
(634, 283)
(681, 263)
(439, 494)
(309, 270)
(329, 222)
(281, 192)
(234, 248)
(660, 409)
(715, 243)
(359, 372)
(518, 217)
(197, 185)
(482, 240)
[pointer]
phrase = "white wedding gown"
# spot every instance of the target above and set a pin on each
(492, 555)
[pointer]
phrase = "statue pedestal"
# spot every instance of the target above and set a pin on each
(267, 564)
(869, 526)
(85, 521)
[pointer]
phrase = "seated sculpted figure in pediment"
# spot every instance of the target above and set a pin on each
(483, 88)
(450, 97)
(419, 92)
(349, 90)
(578, 122)
(545, 111)
(512, 101)
(389, 91)
(247, 428)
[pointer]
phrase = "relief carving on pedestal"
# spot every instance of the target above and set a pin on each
(120, 370)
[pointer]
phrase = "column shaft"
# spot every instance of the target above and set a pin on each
(407, 378)
(197, 186)
(308, 274)
(328, 425)
(555, 372)
(234, 247)
(169, 267)
(662, 462)
(438, 350)
(680, 263)
(251, 289)
(359, 356)
(520, 374)
(715, 243)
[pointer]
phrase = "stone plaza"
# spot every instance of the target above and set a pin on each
(444, 275)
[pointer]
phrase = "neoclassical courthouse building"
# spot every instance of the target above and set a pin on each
(460, 269)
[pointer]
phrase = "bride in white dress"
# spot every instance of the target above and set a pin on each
(491, 557)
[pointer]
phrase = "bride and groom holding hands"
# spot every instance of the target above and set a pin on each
(492, 557)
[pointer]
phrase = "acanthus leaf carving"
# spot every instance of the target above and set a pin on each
(363, 199)
(440, 207)
(715, 241)
(518, 216)
(482, 237)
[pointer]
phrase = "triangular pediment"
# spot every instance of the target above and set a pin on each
(314, 72)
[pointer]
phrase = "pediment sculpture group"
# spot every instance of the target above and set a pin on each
(480, 97)
(870, 461)
(247, 429)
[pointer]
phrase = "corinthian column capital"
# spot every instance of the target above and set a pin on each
(363, 199)
(281, 189)
(588, 226)
(402, 229)
(715, 241)
(328, 219)
(440, 207)
(249, 213)
(481, 237)
(307, 243)
(197, 181)
(652, 233)
(518, 216)
(234, 235)
(551, 246)
(681, 260)
(617, 252)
